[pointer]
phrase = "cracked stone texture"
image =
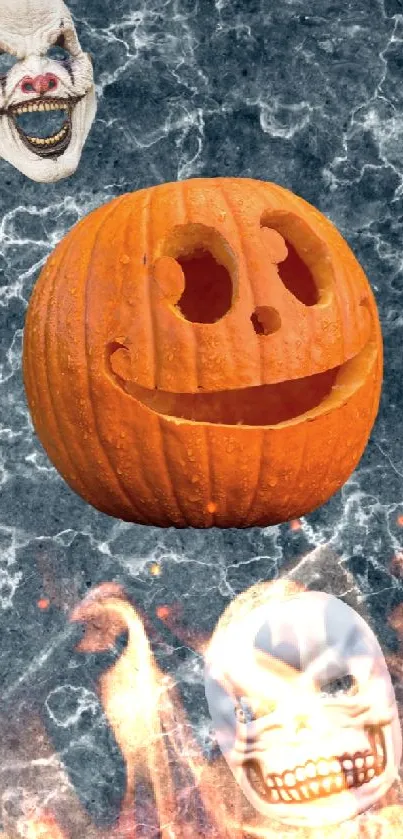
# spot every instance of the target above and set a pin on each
(306, 94)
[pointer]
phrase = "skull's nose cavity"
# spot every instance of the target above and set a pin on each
(301, 722)
(266, 320)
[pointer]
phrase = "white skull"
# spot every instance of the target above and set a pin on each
(304, 709)
(50, 73)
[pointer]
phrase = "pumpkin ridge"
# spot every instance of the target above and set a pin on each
(261, 188)
(143, 233)
(259, 465)
(259, 474)
(27, 356)
(295, 201)
(228, 203)
(115, 477)
(297, 471)
(51, 284)
(340, 288)
(81, 226)
(146, 223)
(377, 395)
(128, 225)
(278, 191)
(30, 380)
(164, 456)
(209, 477)
(242, 250)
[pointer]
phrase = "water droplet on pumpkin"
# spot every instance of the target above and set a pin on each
(125, 259)
(273, 481)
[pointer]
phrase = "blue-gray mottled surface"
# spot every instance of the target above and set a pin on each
(309, 95)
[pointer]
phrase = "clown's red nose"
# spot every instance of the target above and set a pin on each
(39, 84)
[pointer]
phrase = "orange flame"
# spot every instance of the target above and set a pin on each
(153, 734)
(43, 827)
(145, 714)
(43, 603)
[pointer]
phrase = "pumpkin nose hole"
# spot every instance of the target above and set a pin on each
(207, 295)
(265, 320)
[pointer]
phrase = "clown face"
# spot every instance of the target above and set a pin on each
(304, 710)
(47, 95)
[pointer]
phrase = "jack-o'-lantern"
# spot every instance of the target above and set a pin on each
(204, 353)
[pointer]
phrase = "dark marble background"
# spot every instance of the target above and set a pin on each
(307, 94)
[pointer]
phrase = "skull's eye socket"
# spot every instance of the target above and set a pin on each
(341, 685)
(243, 711)
(58, 53)
(7, 61)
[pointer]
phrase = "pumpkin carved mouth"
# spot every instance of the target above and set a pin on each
(261, 405)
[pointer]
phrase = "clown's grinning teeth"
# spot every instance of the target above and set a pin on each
(40, 106)
(54, 143)
(318, 779)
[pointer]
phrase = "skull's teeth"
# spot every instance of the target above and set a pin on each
(326, 777)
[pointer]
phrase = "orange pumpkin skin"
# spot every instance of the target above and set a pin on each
(175, 375)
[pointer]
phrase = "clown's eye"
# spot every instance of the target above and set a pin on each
(343, 684)
(58, 53)
(7, 61)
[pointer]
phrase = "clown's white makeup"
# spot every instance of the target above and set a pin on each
(304, 709)
(47, 94)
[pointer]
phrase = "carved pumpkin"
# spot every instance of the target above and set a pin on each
(204, 353)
